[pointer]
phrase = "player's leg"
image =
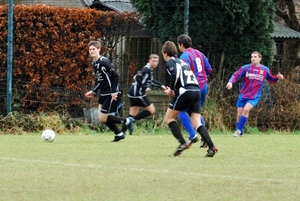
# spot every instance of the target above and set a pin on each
(195, 119)
(119, 109)
(177, 104)
(170, 120)
(186, 122)
(241, 102)
(185, 101)
(203, 93)
(103, 118)
(134, 114)
(149, 108)
(245, 113)
(212, 149)
(239, 113)
(133, 110)
(108, 110)
(243, 118)
(106, 113)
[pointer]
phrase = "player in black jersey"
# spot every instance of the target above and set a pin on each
(137, 93)
(108, 84)
(184, 88)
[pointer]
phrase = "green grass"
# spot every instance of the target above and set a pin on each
(90, 167)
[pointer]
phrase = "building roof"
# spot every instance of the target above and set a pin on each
(117, 5)
(283, 32)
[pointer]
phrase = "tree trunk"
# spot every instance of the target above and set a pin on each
(220, 70)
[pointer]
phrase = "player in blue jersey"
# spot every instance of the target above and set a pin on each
(186, 97)
(253, 75)
(199, 64)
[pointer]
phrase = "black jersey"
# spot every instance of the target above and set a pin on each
(142, 80)
(107, 77)
(181, 75)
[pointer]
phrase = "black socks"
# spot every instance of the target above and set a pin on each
(176, 131)
(112, 127)
(116, 120)
(205, 136)
(142, 114)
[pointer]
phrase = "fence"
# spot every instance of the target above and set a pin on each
(129, 55)
(45, 58)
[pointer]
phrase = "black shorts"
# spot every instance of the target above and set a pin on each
(108, 104)
(139, 101)
(188, 101)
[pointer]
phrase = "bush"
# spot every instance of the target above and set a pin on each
(278, 109)
(51, 61)
(18, 123)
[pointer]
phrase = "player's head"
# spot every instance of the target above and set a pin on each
(256, 58)
(153, 60)
(169, 50)
(184, 41)
(94, 49)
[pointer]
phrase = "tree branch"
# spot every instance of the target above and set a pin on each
(281, 13)
(292, 13)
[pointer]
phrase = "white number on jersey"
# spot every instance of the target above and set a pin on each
(199, 64)
(191, 79)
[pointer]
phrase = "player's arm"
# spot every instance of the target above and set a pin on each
(236, 76)
(157, 84)
(96, 87)
(185, 57)
(93, 91)
(172, 72)
(273, 78)
(113, 75)
(169, 91)
(207, 65)
(142, 76)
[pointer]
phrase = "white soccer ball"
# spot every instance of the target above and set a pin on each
(48, 135)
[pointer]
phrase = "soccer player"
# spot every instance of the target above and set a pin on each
(138, 91)
(184, 88)
(253, 75)
(199, 64)
(108, 83)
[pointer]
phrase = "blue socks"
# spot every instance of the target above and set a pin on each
(236, 127)
(242, 122)
(186, 122)
(202, 121)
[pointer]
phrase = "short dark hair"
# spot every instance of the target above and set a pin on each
(170, 48)
(258, 53)
(185, 40)
(153, 56)
(97, 44)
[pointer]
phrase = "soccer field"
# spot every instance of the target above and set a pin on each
(90, 167)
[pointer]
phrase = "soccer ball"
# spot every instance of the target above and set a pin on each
(48, 135)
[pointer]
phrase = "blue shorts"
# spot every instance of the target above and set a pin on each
(203, 93)
(241, 102)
